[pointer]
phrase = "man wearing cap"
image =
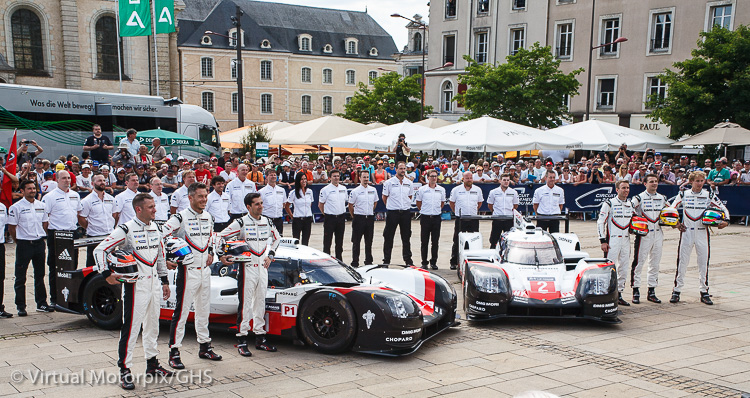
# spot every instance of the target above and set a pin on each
(238, 188)
(453, 174)
(98, 145)
(62, 206)
(202, 175)
(123, 153)
(158, 153)
(549, 170)
(465, 200)
(391, 169)
(285, 177)
(401, 149)
(744, 178)
(48, 184)
(96, 213)
(367, 166)
(332, 203)
(180, 200)
(720, 175)
(143, 179)
(548, 201)
(430, 200)
(217, 204)
(84, 180)
(39, 169)
(133, 144)
(170, 180)
(319, 175)
(226, 160)
(362, 202)
(273, 197)
(397, 195)
(161, 200)
(123, 210)
(502, 201)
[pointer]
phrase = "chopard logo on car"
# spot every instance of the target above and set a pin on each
(398, 339)
(474, 307)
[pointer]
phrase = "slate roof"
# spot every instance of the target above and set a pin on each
(281, 24)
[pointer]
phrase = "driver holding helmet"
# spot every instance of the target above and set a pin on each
(648, 204)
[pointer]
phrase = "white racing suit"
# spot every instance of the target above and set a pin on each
(613, 224)
(648, 248)
(698, 235)
(252, 277)
(193, 282)
(141, 300)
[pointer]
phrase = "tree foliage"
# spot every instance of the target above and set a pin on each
(392, 99)
(710, 87)
(527, 89)
(254, 134)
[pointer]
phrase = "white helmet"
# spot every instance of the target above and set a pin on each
(123, 266)
(178, 251)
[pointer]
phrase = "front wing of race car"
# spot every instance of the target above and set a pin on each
(488, 294)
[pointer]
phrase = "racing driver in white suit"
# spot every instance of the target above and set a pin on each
(613, 224)
(262, 239)
(648, 204)
(193, 282)
(141, 300)
(694, 202)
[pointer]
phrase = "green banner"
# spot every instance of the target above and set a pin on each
(164, 16)
(135, 18)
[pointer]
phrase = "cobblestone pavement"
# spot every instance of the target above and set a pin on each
(660, 350)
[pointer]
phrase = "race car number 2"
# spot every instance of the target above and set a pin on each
(542, 285)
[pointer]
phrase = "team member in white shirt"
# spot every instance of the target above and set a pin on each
(27, 223)
(218, 204)
(83, 180)
(3, 221)
(430, 201)
(238, 188)
(123, 211)
(161, 200)
(273, 197)
(502, 201)
(362, 202)
(397, 195)
(62, 206)
(96, 214)
(301, 197)
(465, 200)
(548, 201)
(332, 203)
(180, 201)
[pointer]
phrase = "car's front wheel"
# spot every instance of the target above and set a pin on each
(101, 304)
(328, 322)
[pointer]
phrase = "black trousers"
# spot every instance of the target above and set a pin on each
(279, 224)
(549, 225)
(334, 225)
(90, 255)
(219, 226)
(498, 227)
(233, 216)
(400, 219)
(52, 266)
(33, 251)
(301, 227)
(362, 226)
(461, 226)
(2, 276)
(430, 229)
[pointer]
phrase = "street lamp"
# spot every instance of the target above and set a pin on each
(591, 54)
(238, 44)
(422, 26)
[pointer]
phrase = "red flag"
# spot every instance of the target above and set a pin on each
(6, 195)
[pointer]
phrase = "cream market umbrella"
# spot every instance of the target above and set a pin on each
(433, 123)
(316, 132)
(597, 135)
(384, 138)
(235, 136)
(487, 134)
(724, 133)
(376, 125)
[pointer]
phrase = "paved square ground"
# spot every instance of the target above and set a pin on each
(660, 350)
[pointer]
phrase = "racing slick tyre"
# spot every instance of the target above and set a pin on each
(328, 322)
(101, 304)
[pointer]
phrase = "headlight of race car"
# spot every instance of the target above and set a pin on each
(599, 281)
(399, 307)
(489, 282)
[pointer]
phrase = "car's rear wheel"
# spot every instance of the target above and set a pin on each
(101, 304)
(328, 322)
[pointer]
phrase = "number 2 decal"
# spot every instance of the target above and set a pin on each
(545, 287)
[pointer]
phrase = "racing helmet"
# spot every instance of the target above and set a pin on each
(123, 266)
(669, 216)
(638, 226)
(712, 217)
(178, 251)
(239, 251)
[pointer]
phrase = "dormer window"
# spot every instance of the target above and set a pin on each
(305, 42)
(373, 52)
(351, 45)
(265, 44)
(328, 49)
(233, 37)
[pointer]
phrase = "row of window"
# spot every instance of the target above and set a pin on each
(483, 7)
(266, 72)
(266, 103)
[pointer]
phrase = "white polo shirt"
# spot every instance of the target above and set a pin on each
(549, 199)
(218, 206)
(399, 193)
(3, 221)
(237, 191)
(162, 206)
(466, 201)
(273, 200)
(502, 201)
(432, 200)
(364, 200)
(124, 206)
(28, 218)
(62, 209)
(180, 199)
(333, 198)
(98, 212)
(303, 204)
